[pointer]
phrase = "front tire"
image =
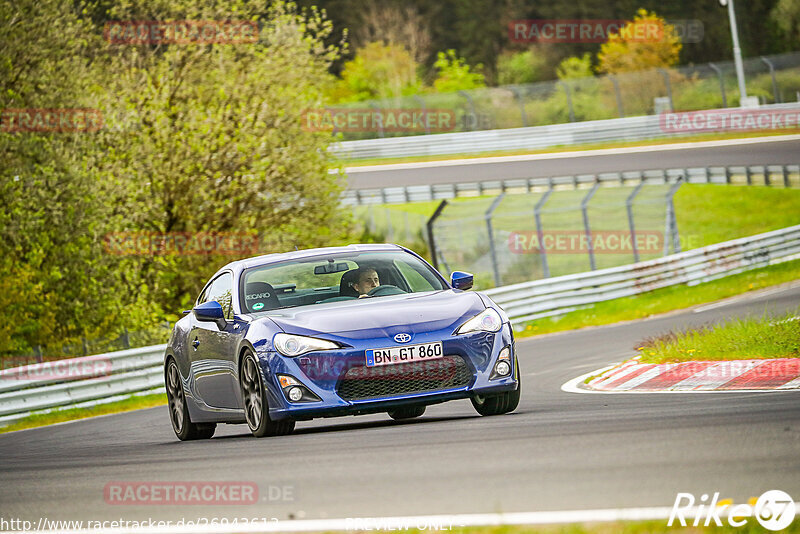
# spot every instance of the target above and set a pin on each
(498, 404)
(254, 397)
(179, 413)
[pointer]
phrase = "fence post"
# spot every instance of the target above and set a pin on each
(488, 217)
(389, 228)
(629, 209)
(668, 84)
(716, 69)
(785, 176)
(126, 338)
(471, 108)
(671, 226)
(537, 215)
(424, 113)
(518, 95)
(569, 100)
(37, 352)
(431, 241)
(586, 228)
(619, 95)
(775, 92)
(373, 105)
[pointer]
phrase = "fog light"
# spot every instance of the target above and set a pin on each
(295, 394)
(502, 368)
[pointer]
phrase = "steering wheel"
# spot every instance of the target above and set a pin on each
(382, 291)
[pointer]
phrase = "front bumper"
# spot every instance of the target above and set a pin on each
(325, 374)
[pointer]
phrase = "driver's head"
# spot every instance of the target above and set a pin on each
(366, 280)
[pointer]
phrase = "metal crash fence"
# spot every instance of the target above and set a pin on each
(555, 230)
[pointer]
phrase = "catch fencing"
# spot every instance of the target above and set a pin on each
(107, 377)
(556, 296)
(771, 79)
(771, 175)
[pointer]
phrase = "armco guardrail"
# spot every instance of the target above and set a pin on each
(553, 296)
(774, 175)
(77, 381)
(531, 138)
(107, 376)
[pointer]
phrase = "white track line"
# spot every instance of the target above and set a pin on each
(425, 522)
(749, 295)
(572, 154)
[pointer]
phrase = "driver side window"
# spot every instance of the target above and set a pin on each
(221, 290)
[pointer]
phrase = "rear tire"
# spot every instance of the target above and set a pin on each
(254, 397)
(407, 413)
(178, 412)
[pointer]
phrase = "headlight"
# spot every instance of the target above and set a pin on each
(292, 345)
(486, 321)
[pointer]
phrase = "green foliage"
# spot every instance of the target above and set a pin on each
(455, 75)
(786, 16)
(575, 67)
(378, 71)
(625, 51)
(196, 138)
(520, 67)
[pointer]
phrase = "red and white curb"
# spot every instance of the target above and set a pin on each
(701, 376)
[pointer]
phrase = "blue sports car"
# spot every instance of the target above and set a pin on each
(352, 330)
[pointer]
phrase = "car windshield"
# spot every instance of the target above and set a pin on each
(334, 278)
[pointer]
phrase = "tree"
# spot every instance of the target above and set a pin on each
(393, 23)
(219, 143)
(195, 138)
(635, 47)
(786, 16)
(378, 71)
(575, 67)
(527, 66)
(455, 75)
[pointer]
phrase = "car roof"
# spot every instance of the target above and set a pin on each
(266, 259)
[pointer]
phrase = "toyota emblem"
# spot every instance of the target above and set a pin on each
(402, 337)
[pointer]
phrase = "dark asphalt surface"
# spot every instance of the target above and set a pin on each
(558, 451)
(765, 153)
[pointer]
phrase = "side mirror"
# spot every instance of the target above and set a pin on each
(461, 280)
(210, 311)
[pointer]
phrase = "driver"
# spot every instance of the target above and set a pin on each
(366, 280)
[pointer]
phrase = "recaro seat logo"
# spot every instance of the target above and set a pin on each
(402, 337)
(255, 296)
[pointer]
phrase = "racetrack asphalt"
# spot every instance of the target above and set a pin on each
(759, 151)
(557, 451)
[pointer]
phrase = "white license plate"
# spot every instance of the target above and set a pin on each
(409, 353)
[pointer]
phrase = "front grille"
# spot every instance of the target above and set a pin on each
(360, 383)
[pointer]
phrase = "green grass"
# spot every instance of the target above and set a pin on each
(568, 148)
(71, 414)
(737, 339)
(663, 300)
(708, 213)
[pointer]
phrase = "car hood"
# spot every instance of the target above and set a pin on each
(381, 316)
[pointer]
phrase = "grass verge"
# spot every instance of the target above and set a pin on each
(568, 148)
(71, 414)
(736, 339)
(664, 300)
